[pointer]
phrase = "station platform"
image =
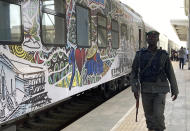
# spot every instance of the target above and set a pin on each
(118, 113)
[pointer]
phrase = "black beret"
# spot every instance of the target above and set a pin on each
(153, 33)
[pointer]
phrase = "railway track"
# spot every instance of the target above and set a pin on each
(63, 114)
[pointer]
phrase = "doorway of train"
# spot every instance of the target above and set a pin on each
(140, 38)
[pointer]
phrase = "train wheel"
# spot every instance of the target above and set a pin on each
(113, 85)
(116, 85)
(106, 92)
(128, 80)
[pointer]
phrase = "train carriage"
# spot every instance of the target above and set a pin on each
(53, 49)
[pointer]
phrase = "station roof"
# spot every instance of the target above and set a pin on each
(181, 28)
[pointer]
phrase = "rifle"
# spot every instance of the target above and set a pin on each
(138, 86)
(137, 108)
(137, 97)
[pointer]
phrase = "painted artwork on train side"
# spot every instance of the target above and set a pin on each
(33, 75)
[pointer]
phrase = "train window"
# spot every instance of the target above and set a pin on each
(115, 34)
(53, 23)
(54, 5)
(124, 31)
(102, 31)
(10, 23)
(83, 26)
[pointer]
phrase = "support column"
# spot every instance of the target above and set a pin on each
(188, 44)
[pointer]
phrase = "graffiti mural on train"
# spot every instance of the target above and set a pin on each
(18, 51)
(13, 83)
(38, 71)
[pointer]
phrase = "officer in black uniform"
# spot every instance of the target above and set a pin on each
(153, 75)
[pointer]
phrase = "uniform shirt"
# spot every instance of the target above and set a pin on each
(165, 81)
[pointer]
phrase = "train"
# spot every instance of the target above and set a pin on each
(51, 50)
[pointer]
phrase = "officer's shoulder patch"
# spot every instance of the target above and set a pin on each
(138, 53)
(143, 50)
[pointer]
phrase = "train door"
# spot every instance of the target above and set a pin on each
(140, 38)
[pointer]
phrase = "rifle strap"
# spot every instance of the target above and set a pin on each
(149, 62)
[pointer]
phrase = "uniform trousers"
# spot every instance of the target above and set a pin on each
(154, 105)
(181, 63)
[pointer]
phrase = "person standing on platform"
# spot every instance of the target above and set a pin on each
(187, 52)
(181, 56)
(185, 56)
(175, 56)
(152, 75)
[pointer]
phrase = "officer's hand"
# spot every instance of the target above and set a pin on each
(174, 97)
(136, 95)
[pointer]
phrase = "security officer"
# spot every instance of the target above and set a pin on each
(153, 74)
